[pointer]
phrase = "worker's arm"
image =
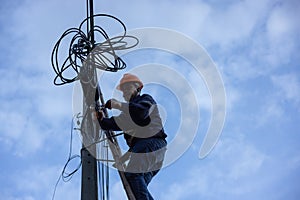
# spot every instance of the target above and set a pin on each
(139, 110)
(116, 123)
(109, 124)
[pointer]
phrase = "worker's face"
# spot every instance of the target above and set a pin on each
(129, 90)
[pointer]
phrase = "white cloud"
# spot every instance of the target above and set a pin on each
(37, 182)
(23, 134)
(232, 161)
(184, 190)
(275, 106)
(283, 20)
(243, 157)
(288, 87)
(282, 32)
(269, 42)
(269, 112)
(28, 106)
(233, 23)
(205, 22)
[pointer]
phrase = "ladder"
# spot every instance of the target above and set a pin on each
(116, 151)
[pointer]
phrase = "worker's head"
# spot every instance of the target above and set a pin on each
(130, 85)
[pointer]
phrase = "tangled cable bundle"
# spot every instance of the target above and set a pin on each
(82, 52)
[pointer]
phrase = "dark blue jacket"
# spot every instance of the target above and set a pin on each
(138, 119)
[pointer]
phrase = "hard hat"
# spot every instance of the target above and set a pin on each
(127, 78)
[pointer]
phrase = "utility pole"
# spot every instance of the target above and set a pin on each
(88, 80)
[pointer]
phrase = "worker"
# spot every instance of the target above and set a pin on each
(143, 131)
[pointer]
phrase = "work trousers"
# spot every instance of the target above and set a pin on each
(144, 164)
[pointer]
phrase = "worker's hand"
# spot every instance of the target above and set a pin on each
(113, 103)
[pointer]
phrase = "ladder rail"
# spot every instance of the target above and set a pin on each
(116, 151)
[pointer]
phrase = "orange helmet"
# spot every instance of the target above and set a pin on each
(127, 78)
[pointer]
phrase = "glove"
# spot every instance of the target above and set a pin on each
(112, 103)
(99, 115)
(108, 104)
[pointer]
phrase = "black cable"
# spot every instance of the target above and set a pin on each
(55, 187)
(103, 169)
(102, 55)
(67, 176)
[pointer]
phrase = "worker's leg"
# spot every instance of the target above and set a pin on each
(143, 165)
(148, 177)
(137, 171)
(138, 183)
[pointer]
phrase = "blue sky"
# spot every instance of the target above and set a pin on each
(254, 45)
